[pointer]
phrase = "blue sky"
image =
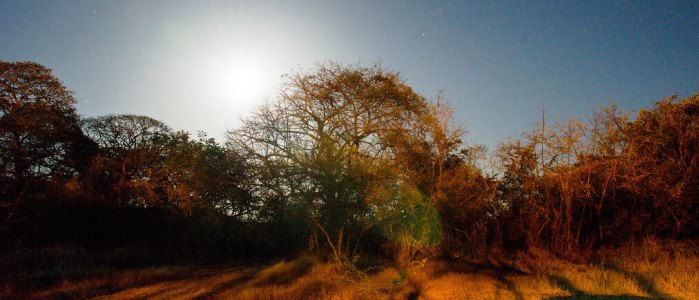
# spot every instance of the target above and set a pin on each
(202, 65)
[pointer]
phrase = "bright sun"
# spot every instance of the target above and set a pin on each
(237, 80)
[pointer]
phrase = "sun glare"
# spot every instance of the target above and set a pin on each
(238, 80)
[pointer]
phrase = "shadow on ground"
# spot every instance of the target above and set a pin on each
(308, 279)
(646, 285)
(497, 272)
(566, 285)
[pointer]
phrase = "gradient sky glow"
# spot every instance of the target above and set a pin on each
(202, 65)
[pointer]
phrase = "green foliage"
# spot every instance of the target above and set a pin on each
(411, 222)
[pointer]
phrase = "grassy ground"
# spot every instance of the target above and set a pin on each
(648, 271)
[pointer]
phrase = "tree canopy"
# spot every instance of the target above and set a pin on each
(40, 138)
(346, 159)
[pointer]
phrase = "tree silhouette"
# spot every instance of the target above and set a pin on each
(41, 143)
(131, 147)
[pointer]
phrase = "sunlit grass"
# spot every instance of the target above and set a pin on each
(647, 271)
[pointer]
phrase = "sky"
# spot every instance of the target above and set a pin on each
(204, 65)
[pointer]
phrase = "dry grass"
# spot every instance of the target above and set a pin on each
(647, 271)
(110, 282)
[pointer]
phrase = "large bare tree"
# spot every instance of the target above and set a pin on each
(333, 145)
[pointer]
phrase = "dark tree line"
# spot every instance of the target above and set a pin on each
(346, 160)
